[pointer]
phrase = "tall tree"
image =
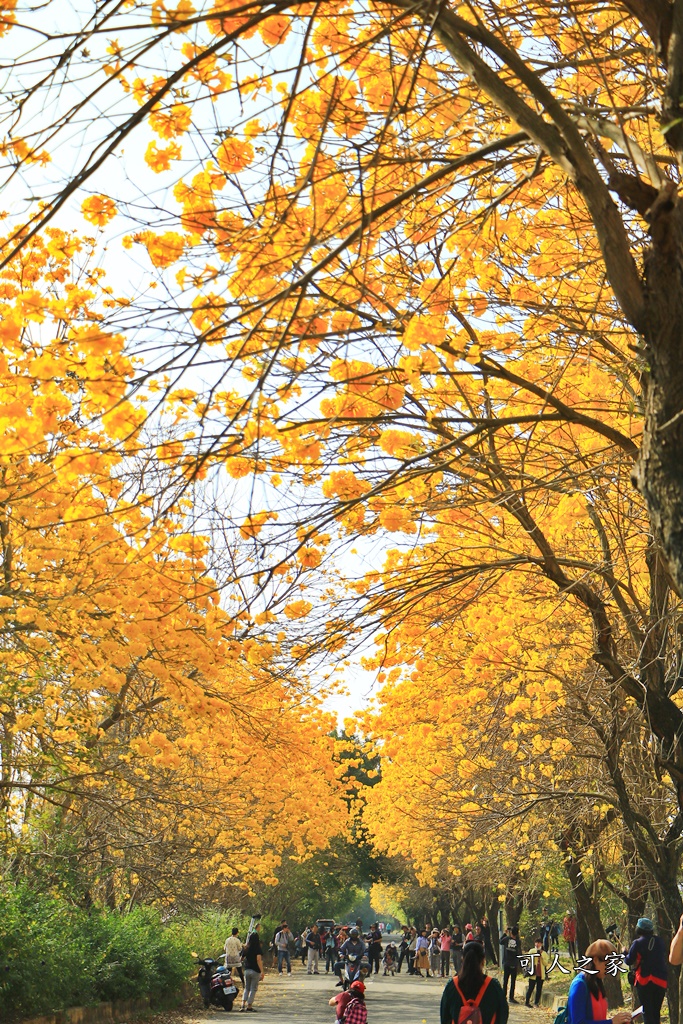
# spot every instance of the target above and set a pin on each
(136, 730)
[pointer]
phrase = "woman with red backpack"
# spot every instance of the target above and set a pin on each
(472, 997)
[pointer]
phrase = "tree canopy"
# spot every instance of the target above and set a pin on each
(392, 350)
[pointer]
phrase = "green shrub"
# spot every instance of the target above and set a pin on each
(205, 934)
(54, 955)
(136, 955)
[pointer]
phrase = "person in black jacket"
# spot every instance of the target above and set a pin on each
(648, 956)
(314, 947)
(511, 950)
(403, 948)
(457, 943)
(375, 947)
(468, 985)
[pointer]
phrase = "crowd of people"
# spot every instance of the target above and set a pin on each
(461, 955)
(645, 961)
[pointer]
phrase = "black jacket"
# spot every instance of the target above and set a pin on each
(512, 946)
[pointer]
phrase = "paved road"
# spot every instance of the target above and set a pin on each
(303, 998)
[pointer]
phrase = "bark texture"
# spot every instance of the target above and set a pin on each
(659, 469)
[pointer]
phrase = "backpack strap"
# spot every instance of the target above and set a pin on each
(480, 993)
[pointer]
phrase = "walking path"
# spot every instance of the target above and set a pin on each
(303, 998)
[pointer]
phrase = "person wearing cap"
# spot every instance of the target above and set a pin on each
(356, 1011)
(342, 999)
(587, 1002)
(648, 955)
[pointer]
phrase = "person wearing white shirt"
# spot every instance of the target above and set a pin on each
(233, 952)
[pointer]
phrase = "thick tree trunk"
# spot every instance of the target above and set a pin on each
(492, 908)
(513, 910)
(635, 893)
(668, 915)
(659, 471)
(475, 909)
(635, 901)
(589, 924)
(588, 921)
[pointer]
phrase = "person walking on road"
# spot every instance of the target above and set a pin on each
(282, 940)
(587, 1001)
(276, 933)
(314, 946)
(253, 969)
(471, 987)
(648, 955)
(537, 972)
(511, 944)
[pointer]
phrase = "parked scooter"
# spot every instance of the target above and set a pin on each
(216, 984)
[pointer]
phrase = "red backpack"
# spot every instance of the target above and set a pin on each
(469, 1011)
